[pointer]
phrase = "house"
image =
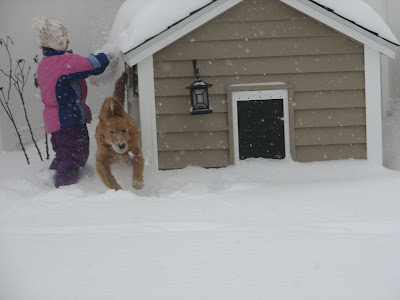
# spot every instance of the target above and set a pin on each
(291, 79)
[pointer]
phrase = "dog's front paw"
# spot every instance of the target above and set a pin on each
(138, 184)
(116, 187)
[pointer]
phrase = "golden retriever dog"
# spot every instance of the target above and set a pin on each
(118, 139)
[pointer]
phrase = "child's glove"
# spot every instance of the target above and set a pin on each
(102, 57)
(113, 69)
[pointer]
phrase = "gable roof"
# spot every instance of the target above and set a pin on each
(380, 41)
(361, 14)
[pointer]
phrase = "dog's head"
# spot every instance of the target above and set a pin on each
(116, 129)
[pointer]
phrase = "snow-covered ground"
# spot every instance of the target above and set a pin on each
(259, 230)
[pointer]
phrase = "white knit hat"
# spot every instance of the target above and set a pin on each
(51, 34)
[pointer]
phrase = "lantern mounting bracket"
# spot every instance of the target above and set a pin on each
(196, 69)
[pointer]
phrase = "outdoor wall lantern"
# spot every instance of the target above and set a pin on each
(199, 94)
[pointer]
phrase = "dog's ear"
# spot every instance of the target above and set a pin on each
(111, 108)
(105, 111)
(117, 108)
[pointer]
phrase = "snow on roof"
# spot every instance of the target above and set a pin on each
(362, 14)
(138, 21)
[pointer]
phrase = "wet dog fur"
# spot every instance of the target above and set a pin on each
(118, 139)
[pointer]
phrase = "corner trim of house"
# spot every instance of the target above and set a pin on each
(373, 104)
(147, 109)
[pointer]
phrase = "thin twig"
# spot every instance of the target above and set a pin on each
(10, 116)
(20, 86)
(14, 80)
(47, 147)
(4, 105)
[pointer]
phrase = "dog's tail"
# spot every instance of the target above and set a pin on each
(119, 90)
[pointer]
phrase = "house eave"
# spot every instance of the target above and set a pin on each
(215, 8)
(344, 26)
(177, 31)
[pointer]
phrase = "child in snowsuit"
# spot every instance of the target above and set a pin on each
(61, 76)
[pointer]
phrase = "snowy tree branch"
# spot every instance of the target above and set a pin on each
(18, 79)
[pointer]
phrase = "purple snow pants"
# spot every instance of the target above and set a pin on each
(71, 146)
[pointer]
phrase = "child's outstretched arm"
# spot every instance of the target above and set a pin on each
(100, 62)
(79, 67)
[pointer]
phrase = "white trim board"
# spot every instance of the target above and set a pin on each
(262, 95)
(373, 105)
(147, 107)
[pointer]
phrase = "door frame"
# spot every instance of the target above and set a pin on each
(259, 94)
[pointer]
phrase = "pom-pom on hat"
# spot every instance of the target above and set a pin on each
(51, 34)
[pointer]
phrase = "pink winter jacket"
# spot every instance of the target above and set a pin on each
(61, 77)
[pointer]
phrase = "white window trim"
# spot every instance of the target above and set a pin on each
(147, 107)
(373, 104)
(261, 95)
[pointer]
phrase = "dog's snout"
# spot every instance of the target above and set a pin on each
(121, 146)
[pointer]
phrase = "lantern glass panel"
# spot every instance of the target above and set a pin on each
(199, 96)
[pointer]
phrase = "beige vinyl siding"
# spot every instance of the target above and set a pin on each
(300, 82)
(181, 104)
(331, 152)
(193, 141)
(259, 42)
(259, 65)
(312, 136)
(272, 47)
(188, 123)
(330, 99)
(259, 30)
(181, 159)
(317, 118)
(265, 10)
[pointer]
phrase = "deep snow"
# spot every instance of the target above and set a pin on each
(259, 230)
